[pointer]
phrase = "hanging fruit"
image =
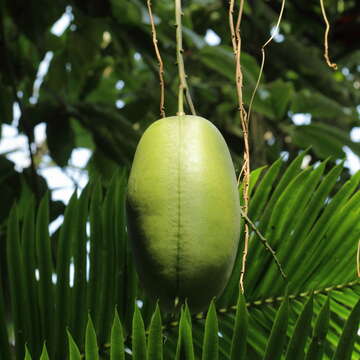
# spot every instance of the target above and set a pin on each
(183, 211)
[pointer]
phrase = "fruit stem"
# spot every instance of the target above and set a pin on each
(183, 87)
(161, 64)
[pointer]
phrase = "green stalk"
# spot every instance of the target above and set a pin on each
(179, 57)
(183, 87)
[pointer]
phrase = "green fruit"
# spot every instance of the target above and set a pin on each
(183, 211)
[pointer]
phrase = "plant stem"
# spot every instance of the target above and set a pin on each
(264, 242)
(161, 65)
(183, 87)
(179, 57)
(245, 172)
(326, 35)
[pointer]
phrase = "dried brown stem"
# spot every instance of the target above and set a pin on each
(326, 35)
(161, 65)
(265, 243)
(236, 43)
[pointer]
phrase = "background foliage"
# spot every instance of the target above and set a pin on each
(101, 91)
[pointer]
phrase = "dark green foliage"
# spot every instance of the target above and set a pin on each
(45, 266)
(4, 339)
(19, 305)
(309, 216)
(258, 329)
(63, 299)
(78, 250)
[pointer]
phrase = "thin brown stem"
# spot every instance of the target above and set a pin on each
(265, 243)
(326, 35)
(263, 55)
(236, 43)
(161, 64)
(173, 323)
(183, 86)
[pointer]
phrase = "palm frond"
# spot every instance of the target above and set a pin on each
(86, 270)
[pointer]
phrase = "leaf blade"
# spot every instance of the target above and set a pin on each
(138, 336)
(275, 345)
(91, 346)
(211, 338)
(347, 339)
(117, 339)
(155, 345)
(295, 350)
(240, 331)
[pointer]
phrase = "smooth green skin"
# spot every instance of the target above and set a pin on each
(183, 211)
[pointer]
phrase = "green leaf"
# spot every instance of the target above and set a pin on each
(126, 278)
(34, 27)
(91, 346)
(62, 294)
(296, 347)
(316, 348)
(44, 256)
(117, 340)
(276, 342)
(349, 333)
(27, 353)
(138, 336)
(265, 215)
(254, 177)
(281, 93)
(4, 340)
(28, 247)
(108, 251)
(155, 344)
(193, 37)
(185, 347)
(121, 244)
(6, 104)
(221, 59)
(74, 352)
(293, 201)
(96, 268)
(17, 282)
(317, 104)
(240, 330)
(211, 338)
(324, 143)
(82, 136)
(79, 254)
(61, 140)
(129, 13)
(44, 353)
(311, 246)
